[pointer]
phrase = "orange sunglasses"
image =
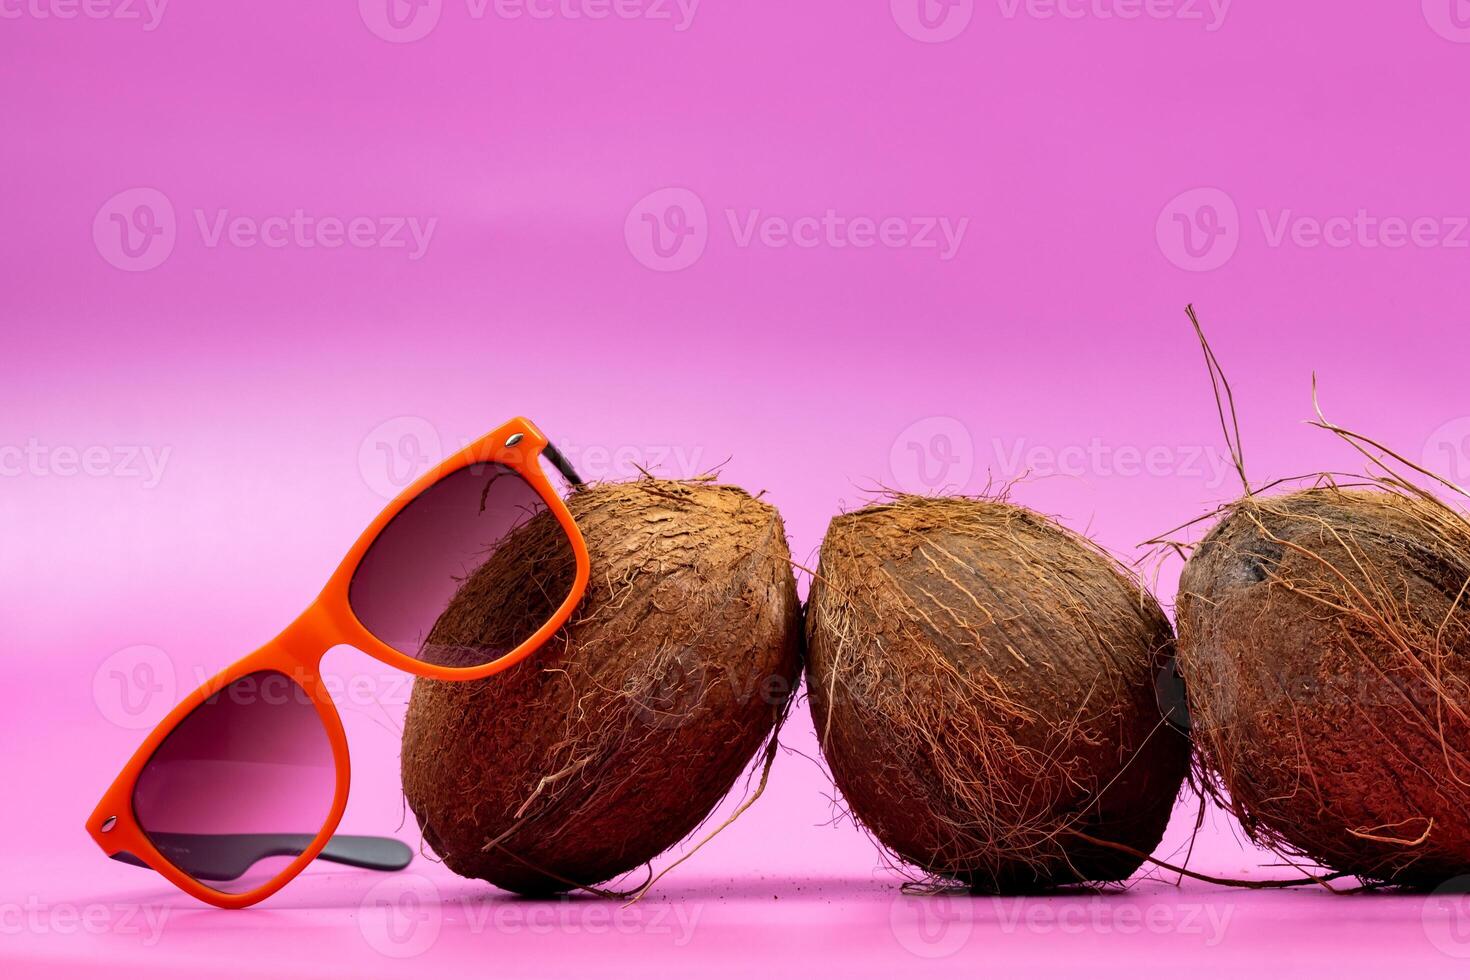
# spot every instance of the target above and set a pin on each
(243, 784)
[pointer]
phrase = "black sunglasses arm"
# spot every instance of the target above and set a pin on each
(225, 857)
(563, 466)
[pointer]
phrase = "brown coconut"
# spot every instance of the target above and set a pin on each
(983, 687)
(1324, 637)
(619, 737)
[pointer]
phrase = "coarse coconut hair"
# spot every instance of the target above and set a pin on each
(621, 735)
(1325, 639)
(983, 685)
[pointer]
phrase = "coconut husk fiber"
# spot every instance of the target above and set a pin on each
(622, 734)
(1324, 637)
(982, 683)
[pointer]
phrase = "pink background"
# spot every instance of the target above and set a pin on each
(1109, 168)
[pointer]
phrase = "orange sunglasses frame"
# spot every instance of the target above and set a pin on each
(298, 651)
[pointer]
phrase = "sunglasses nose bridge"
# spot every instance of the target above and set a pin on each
(306, 641)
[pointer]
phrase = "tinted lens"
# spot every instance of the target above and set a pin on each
(242, 786)
(467, 572)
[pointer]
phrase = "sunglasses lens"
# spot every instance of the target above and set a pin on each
(242, 786)
(467, 572)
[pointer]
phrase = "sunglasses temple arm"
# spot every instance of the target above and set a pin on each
(563, 466)
(373, 853)
(227, 856)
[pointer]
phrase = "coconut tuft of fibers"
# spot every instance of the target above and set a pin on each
(1324, 639)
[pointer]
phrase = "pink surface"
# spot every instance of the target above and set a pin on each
(262, 260)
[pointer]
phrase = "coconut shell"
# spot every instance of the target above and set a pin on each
(620, 736)
(982, 683)
(1324, 637)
